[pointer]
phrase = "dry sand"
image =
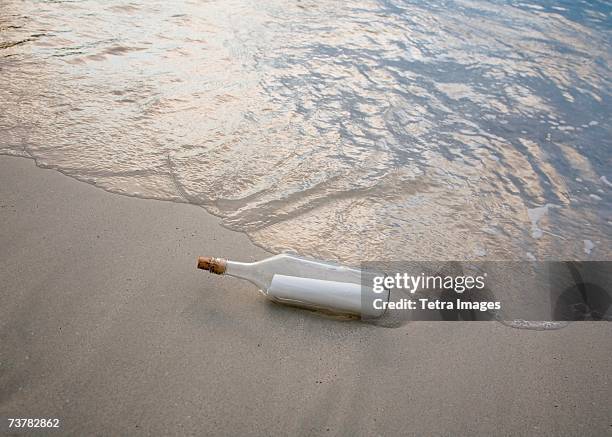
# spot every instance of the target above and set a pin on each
(106, 324)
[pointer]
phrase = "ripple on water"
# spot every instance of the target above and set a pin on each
(350, 131)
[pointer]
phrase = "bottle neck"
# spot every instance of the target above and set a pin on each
(246, 271)
(220, 266)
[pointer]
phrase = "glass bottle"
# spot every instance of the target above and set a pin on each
(304, 282)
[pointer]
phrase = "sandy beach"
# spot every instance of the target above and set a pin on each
(106, 324)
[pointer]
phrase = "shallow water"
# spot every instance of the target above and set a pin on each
(343, 130)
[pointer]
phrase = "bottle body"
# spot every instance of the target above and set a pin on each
(309, 283)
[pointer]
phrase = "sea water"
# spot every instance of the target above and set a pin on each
(346, 130)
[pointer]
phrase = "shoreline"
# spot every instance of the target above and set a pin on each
(181, 200)
(106, 324)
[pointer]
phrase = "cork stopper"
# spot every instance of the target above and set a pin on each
(213, 265)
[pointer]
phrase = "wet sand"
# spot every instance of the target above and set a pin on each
(106, 324)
